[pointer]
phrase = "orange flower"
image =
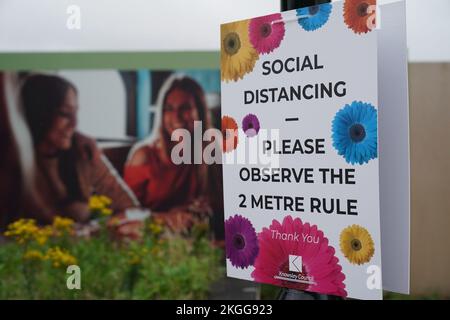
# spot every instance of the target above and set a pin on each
(229, 134)
(358, 15)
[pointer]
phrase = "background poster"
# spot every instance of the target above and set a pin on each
(300, 89)
(77, 190)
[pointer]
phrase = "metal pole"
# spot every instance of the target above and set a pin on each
(295, 4)
(285, 293)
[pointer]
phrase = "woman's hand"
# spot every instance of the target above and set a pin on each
(125, 229)
(178, 221)
(181, 219)
(200, 207)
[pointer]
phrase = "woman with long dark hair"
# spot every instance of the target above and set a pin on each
(69, 167)
(157, 181)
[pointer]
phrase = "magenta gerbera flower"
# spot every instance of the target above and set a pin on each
(250, 125)
(265, 35)
(289, 260)
(241, 241)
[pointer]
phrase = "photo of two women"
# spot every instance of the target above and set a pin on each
(71, 135)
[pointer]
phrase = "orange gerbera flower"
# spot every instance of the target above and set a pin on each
(229, 134)
(359, 15)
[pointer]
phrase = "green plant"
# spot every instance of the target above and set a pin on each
(160, 265)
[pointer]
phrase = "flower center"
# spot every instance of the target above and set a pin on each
(357, 132)
(232, 43)
(238, 241)
(266, 30)
(362, 9)
(313, 10)
(356, 245)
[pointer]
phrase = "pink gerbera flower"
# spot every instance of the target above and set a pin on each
(289, 260)
(265, 35)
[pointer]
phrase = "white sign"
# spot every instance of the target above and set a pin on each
(319, 94)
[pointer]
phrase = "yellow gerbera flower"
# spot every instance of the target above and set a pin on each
(238, 56)
(356, 244)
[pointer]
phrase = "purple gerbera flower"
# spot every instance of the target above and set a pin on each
(241, 241)
(250, 125)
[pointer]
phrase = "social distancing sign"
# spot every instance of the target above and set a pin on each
(323, 205)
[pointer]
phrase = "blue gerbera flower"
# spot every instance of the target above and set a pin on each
(316, 18)
(355, 132)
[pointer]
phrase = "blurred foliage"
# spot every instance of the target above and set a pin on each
(160, 265)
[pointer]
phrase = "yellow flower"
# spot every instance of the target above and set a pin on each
(155, 229)
(95, 203)
(101, 205)
(356, 244)
(60, 257)
(42, 234)
(33, 255)
(26, 230)
(22, 230)
(238, 56)
(105, 200)
(63, 224)
(106, 212)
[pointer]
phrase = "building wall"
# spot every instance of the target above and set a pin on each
(430, 177)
